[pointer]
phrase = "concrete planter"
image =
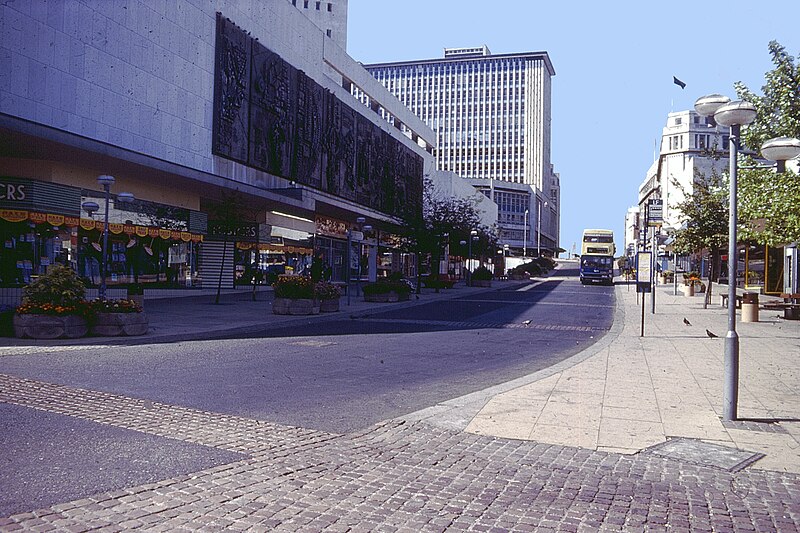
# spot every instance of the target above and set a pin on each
(291, 306)
(50, 326)
(119, 324)
(386, 297)
(688, 290)
(329, 306)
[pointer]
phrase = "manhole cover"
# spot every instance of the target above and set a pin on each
(705, 454)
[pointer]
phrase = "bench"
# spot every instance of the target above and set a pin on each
(724, 300)
(790, 306)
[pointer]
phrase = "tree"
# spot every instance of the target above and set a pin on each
(705, 217)
(445, 219)
(769, 203)
(228, 215)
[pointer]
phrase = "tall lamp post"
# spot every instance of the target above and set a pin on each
(735, 114)
(473, 236)
(525, 235)
(90, 207)
(539, 230)
(348, 271)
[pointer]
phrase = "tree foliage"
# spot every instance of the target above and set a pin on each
(769, 203)
(705, 216)
(447, 219)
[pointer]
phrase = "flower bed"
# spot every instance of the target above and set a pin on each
(386, 291)
(114, 318)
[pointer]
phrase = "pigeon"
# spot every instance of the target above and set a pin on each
(711, 335)
(687, 322)
(526, 322)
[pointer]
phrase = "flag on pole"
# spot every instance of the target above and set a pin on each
(678, 82)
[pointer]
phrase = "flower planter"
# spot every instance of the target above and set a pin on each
(119, 324)
(329, 306)
(688, 290)
(50, 326)
(295, 306)
(386, 297)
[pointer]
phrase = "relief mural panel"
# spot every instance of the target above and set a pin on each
(273, 117)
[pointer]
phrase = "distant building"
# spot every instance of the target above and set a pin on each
(492, 119)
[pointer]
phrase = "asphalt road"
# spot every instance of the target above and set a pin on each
(346, 374)
(349, 373)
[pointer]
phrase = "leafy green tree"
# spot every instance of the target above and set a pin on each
(705, 218)
(445, 220)
(769, 203)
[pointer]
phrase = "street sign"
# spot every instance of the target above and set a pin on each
(644, 272)
(655, 212)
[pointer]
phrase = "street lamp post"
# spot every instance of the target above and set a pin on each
(735, 115)
(539, 230)
(473, 236)
(90, 207)
(525, 236)
(348, 270)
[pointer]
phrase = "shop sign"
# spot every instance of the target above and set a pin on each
(13, 215)
(241, 231)
(13, 192)
(55, 220)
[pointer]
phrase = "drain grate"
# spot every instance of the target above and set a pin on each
(764, 426)
(705, 454)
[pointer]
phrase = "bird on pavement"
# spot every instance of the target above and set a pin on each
(711, 335)
(526, 322)
(685, 321)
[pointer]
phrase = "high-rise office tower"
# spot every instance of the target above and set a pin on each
(491, 115)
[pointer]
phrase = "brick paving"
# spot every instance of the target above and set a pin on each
(398, 476)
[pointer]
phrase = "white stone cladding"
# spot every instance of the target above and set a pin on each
(139, 74)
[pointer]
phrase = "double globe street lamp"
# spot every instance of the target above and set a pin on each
(91, 207)
(734, 115)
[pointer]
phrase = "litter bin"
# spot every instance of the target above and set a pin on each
(750, 307)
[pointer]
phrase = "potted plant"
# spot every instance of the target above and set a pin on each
(53, 306)
(294, 295)
(481, 277)
(112, 318)
(386, 291)
(328, 295)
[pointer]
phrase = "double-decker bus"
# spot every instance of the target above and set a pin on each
(597, 256)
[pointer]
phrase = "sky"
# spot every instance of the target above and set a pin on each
(614, 63)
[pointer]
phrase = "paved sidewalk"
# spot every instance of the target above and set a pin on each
(627, 392)
(189, 318)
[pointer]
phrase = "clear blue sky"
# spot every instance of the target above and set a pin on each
(614, 64)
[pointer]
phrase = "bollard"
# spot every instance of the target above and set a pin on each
(749, 307)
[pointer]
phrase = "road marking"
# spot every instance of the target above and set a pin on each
(566, 304)
(485, 325)
(526, 287)
(28, 350)
(314, 344)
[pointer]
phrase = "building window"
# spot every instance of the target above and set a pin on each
(317, 5)
(328, 33)
(678, 121)
(330, 7)
(305, 4)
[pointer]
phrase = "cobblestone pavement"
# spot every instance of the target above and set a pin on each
(398, 476)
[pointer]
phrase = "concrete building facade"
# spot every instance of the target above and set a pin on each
(189, 105)
(492, 118)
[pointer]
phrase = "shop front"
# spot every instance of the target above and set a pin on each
(43, 225)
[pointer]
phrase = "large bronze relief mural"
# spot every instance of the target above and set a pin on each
(273, 117)
(231, 92)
